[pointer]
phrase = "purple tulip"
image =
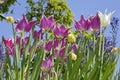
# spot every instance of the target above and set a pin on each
(48, 46)
(62, 52)
(56, 43)
(59, 44)
(9, 45)
(61, 32)
(23, 25)
(82, 24)
(95, 22)
(74, 46)
(24, 41)
(47, 64)
(47, 23)
(38, 34)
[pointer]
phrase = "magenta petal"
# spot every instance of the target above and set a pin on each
(48, 46)
(82, 21)
(77, 26)
(30, 25)
(63, 43)
(47, 64)
(62, 52)
(56, 31)
(9, 45)
(21, 24)
(55, 52)
(65, 33)
(51, 73)
(87, 25)
(51, 22)
(95, 22)
(36, 34)
(56, 43)
(51, 18)
(74, 46)
(60, 32)
(47, 23)
(17, 39)
(24, 41)
(62, 28)
(43, 22)
(44, 63)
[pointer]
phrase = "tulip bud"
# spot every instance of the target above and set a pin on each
(74, 56)
(10, 19)
(71, 38)
(114, 50)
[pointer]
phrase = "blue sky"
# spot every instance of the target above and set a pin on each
(78, 7)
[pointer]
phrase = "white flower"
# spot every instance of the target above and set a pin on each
(105, 18)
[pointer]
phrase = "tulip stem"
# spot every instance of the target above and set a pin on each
(99, 55)
(94, 42)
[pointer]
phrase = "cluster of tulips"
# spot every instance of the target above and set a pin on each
(52, 51)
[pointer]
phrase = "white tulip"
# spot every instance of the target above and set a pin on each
(105, 18)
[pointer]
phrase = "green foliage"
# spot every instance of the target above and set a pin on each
(58, 8)
(4, 6)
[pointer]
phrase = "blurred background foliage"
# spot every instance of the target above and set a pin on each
(5, 4)
(35, 8)
(58, 8)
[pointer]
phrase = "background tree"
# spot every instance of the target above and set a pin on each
(58, 8)
(5, 5)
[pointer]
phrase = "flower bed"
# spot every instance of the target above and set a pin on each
(53, 51)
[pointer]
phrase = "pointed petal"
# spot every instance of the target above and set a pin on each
(62, 52)
(48, 46)
(43, 22)
(56, 31)
(30, 25)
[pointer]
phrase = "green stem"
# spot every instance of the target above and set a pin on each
(94, 43)
(56, 76)
(99, 55)
(102, 57)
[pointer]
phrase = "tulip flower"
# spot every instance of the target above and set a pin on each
(23, 25)
(24, 41)
(61, 32)
(105, 18)
(95, 22)
(82, 24)
(38, 34)
(62, 52)
(47, 64)
(59, 47)
(74, 47)
(47, 23)
(9, 45)
(48, 46)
